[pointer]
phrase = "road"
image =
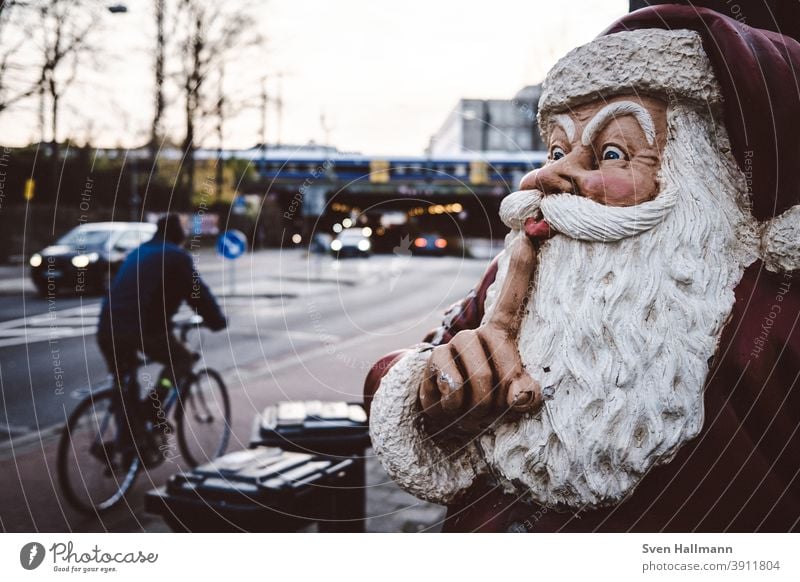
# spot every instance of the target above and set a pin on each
(298, 328)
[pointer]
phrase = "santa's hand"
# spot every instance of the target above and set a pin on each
(479, 376)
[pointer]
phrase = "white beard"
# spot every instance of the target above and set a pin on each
(626, 330)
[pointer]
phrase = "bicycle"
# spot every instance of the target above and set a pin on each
(96, 470)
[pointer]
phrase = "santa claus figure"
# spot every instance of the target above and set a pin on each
(630, 362)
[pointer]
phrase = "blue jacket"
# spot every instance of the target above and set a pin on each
(152, 283)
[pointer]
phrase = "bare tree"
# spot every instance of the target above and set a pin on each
(228, 106)
(16, 83)
(212, 33)
(64, 41)
(158, 66)
(220, 114)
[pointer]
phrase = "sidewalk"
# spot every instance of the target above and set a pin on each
(39, 509)
(389, 508)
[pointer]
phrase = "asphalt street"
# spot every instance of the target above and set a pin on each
(299, 328)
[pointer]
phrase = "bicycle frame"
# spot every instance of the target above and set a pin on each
(145, 430)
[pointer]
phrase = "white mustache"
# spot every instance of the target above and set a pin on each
(518, 206)
(584, 219)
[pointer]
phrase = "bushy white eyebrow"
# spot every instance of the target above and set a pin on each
(565, 122)
(617, 109)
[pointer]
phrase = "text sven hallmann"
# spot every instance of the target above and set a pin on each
(689, 549)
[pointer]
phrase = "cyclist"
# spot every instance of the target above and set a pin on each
(136, 316)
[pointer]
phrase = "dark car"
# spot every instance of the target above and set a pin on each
(86, 259)
(431, 244)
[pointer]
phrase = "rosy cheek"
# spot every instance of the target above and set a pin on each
(612, 189)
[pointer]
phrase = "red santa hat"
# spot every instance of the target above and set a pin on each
(747, 78)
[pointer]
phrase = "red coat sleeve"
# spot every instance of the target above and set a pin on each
(465, 314)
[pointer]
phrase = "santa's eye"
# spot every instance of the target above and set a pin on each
(611, 152)
(556, 153)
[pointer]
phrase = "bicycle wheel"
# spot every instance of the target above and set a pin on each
(203, 417)
(93, 473)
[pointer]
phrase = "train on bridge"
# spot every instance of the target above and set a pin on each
(317, 188)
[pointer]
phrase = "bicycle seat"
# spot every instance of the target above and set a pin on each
(191, 321)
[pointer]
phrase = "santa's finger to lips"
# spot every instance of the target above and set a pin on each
(523, 393)
(507, 313)
(480, 370)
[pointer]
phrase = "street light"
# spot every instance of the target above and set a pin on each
(136, 200)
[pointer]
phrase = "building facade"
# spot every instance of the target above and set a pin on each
(491, 125)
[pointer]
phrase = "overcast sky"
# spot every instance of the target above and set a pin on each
(385, 74)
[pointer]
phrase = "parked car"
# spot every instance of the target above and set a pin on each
(352, 242)
(86, 259)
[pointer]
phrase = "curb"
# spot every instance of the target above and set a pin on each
(18, 445)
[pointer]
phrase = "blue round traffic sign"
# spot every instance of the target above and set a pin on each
(231, 244)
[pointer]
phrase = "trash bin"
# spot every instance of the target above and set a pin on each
(339, 430)
(325, 428)
(263, 489)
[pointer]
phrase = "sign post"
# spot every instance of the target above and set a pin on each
(30, 187)
(231, 245)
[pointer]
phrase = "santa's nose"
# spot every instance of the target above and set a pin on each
(550, 179)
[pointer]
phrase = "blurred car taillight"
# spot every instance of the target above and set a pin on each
(440, 243)
(420, 243)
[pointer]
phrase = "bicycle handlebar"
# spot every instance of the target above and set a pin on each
(186, 325)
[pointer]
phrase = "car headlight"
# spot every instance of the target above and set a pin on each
(82, 261)
(363, 245)
(36, 260)
(336, 245)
